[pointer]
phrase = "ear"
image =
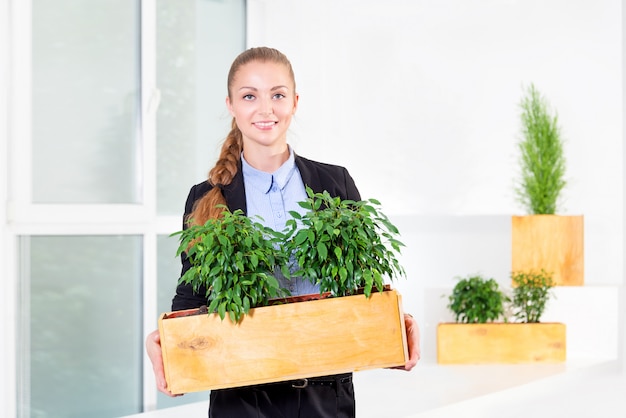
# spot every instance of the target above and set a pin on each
(229, 106)
(295, 103)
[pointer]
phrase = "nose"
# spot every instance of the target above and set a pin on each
(267, 107)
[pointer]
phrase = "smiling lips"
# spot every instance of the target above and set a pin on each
(265, 125)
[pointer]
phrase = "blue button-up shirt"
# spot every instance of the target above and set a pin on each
(271, 196)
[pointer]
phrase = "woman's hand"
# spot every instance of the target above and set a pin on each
(413, 342)
(153, 347)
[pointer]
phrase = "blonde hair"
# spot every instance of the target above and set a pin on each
(228, 162)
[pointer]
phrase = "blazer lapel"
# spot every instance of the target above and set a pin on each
(309, 176)
(235, 193)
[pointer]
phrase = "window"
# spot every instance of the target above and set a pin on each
(117, 109)
(86, 98)
(81, 326)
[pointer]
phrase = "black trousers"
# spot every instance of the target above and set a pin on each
(320, 397)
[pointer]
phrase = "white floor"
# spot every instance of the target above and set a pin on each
(576, 389)
(573, 390)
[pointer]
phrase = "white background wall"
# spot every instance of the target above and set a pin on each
(419, 100)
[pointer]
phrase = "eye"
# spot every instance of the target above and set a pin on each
(248, 97)
(278, 96)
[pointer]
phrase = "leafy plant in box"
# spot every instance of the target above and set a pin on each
(477, 300)
(343, 245)
(531, 293)
(233, 259)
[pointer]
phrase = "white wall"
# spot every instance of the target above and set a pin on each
(419, 99)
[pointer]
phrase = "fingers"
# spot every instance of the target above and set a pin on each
(153, 348)
(413, 341)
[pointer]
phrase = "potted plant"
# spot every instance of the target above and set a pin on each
(531, 293)
(477, 300)
(240, 335)
(338, 244)
(542, 239)
(483, 334)
(233, 258)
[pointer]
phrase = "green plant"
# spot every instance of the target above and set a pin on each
(531, 292)
(475, 299)
(233, 258)
(339, 245)
(542, 160)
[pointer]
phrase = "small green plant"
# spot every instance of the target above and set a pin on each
(531, 292)
(475, 299)
(233, 259)
(343, 245)
(542, 160)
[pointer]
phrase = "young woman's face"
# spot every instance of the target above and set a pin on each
(262, 101)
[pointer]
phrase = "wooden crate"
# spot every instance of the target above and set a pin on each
(283, 342)
(501, 343)
(551, 242)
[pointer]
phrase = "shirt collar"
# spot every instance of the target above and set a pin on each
(263, 181)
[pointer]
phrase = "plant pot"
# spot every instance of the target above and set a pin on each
(283, 342)
(501, 343)
(553, 243)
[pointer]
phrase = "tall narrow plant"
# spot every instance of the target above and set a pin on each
(542, 160)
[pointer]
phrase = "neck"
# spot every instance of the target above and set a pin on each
(266, 159)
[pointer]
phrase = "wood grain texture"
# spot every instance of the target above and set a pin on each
(501, 343)
(284, 342)
(552, 242)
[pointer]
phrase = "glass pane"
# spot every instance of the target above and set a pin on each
(168, 272)
(81, 346)
(86, 94)
(196, 43)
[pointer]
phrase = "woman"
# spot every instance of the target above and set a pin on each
(259, 173)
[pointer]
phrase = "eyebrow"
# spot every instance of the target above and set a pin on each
(272, 89)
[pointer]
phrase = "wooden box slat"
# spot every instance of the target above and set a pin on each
(284, 342)
(552, 242)
(501, 343)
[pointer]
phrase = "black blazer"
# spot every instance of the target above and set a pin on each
(318, 176)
